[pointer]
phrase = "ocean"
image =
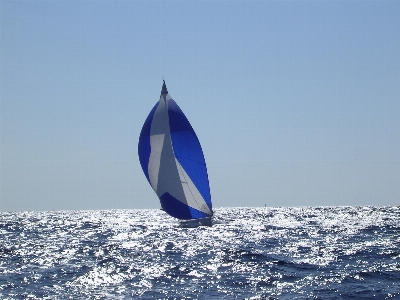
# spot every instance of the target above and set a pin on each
(247, 253)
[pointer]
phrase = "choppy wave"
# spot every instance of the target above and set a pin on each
(248, 253)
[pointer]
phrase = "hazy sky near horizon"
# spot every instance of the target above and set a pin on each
(295, 103)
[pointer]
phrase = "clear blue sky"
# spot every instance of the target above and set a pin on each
(295, 103)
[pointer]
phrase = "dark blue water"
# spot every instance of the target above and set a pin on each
(248, 253)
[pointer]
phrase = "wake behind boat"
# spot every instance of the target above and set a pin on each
(173, 162)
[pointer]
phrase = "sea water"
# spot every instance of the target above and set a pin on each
(247, 253)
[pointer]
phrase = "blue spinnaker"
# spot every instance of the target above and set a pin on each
(173, 162)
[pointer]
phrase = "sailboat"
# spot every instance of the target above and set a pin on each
(173, 162)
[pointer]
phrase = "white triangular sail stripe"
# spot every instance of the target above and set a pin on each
(156, 144)
(168, 175)
(192, 194)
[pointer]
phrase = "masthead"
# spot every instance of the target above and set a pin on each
(164, 88)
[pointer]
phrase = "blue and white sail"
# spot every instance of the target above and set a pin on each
(173, 162)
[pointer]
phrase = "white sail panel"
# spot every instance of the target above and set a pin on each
(156, 144)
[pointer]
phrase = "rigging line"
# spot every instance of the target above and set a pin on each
(201, 206)
(190, 190)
